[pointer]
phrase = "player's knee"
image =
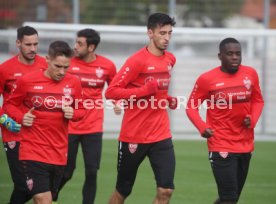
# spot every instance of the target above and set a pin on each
(91, 172)
(42, 197)
(164, 193)
(124, 190)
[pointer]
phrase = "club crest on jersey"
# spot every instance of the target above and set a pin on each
(223, 154)
(99, 72)
(30, 184)
(67, 91)
(11, 144)
(132, 147)
(247, 83)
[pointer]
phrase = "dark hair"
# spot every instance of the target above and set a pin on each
(159, 19)
(92, 36)
(59, 48)
(226, 41)
(25, 30)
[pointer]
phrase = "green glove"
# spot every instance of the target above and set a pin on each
(9, 123)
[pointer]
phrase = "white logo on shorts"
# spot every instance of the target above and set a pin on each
(30, 184)
(223, 154)
(11, 144)
(132, 148)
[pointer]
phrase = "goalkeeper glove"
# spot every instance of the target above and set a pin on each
(9, 123)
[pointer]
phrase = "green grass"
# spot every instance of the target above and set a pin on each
(193, 180)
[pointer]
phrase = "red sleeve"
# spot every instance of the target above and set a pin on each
(79, 110)
(257, 102)
(15, 101)
(198, 95)
(112, 73)
(2, 80)
(128, 73)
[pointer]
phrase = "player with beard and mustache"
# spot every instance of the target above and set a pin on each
(143, 83)
(24, 62)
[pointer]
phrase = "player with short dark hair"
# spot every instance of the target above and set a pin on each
(25, 31)
(24, 62)
(144, 80)
(234, 105)
(44, 101)
(94, 71)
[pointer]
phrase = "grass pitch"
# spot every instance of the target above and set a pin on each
(193, 179)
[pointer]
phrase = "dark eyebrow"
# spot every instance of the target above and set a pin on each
(36, 43)
(59, 66)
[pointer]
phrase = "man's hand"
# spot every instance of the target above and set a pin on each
(68, 112)
(247, 121)
(9, 123)
(172, 102)
(208, 132)
(28, 118)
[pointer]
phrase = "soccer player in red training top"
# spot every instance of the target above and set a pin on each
(44, 102)
(142, 83)
(234, 105)
(93, 71)
(24, 62)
